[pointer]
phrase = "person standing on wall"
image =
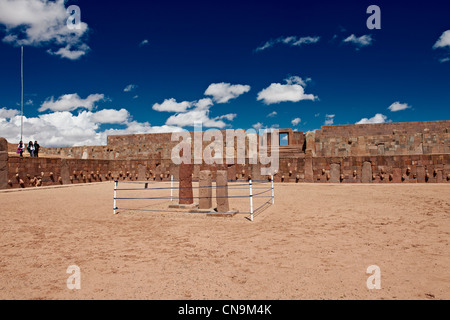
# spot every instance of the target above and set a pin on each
(36, 149)
(20, 149)
(30, 148)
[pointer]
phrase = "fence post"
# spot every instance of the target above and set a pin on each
(251, 200)
(273, 191)
(115, 196)
(171, 188)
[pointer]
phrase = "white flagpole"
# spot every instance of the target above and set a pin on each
(21, 94)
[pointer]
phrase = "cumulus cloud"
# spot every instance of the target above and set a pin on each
(70, 54)
(111, 116)
(66, 129)
(292, 91)
(42, 23)
(70, 102)
(8, 113)
(397, 106)
(272, 114)
(292, 41)
(378, 118)
(296, 121)
(329, 119)
(171, 105)
(224, 92)
(188, 113)
(199, 113)
(130, 88)
(362, 41)
(443, 41)
(258, 126)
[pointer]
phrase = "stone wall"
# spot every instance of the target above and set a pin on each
(36, 172)
(386, 128)
(395, 144)
(380, 153)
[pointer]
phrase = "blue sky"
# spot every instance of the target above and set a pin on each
(233, 65)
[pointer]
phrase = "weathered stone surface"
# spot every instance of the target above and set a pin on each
(366, 173)
(420, 171)
(256, 172)
(309, 174)
(397, 175)
(222, 191)
(65, 173)
(141, 172)
(205, 189)
(185, 190)
(311, 143)
(232, 172)
(3, 169)
(3, 145)
(335, 173)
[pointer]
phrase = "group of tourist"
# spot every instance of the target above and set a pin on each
(32, 148)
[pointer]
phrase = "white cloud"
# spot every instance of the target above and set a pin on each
(130, 88)
(444, 40)
(229, 117)
(67, 53)
(258, 126)
(42, 22)
(65, 129)
(8, 113)
(189, 118)
(272, 114)
(397, 106)
(171, 105)
(296, 121)
(70, 102)
(363, 41)
(290, 41)
(143, 43)
(187, 113)
(199, 113)
(224, 92)
(378, 118)
(329, 119)
(111, 116)
(292, 91)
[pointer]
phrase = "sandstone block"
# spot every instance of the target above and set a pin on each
(205, 190)
(222, 191)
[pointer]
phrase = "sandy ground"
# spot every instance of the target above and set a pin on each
(316, 242)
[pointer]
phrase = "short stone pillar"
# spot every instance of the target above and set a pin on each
(3, 163)
(141, 172)
(65, 173)
(366, 174)
(205, 189)
(256, 172)
(185, 190)
(309, 174)
(335, 173)
(222, 191)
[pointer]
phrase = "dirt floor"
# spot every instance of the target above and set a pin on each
(316, 242)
